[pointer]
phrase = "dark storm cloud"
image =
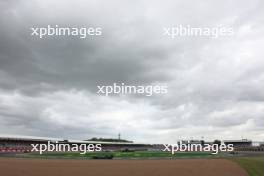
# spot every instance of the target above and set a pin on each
(64, 63)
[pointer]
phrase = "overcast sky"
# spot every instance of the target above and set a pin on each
(215, 86)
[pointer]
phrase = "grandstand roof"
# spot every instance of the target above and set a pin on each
(28, 138)
(37, 138)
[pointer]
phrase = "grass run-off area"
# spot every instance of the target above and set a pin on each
(253, 165)
(123, 155)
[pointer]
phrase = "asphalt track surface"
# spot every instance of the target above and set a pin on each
(181, 167)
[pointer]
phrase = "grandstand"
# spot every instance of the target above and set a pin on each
(246, 145)
(22, 144)
(239, 143)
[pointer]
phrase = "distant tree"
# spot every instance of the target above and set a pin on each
(217, 142)
(202, 142)
(108, 140)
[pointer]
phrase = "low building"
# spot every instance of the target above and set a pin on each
(239, 143)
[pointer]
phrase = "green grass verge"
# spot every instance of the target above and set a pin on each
(124, 155)
(253, 165)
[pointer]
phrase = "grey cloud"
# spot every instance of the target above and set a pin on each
(209, 80)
